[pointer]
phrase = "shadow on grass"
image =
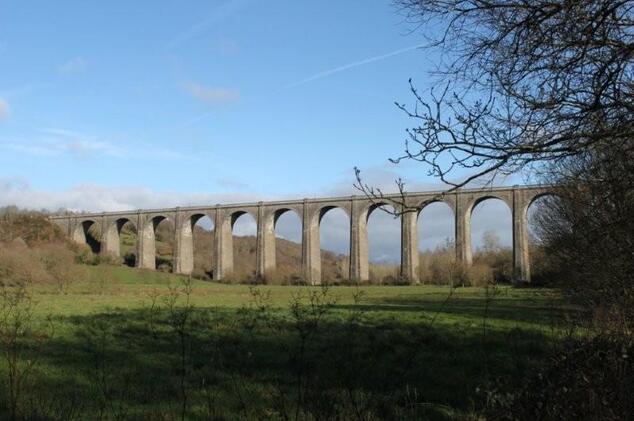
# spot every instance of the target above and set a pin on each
(544, 311)
(133, 364)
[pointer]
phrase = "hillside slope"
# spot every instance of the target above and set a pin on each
(288, 256)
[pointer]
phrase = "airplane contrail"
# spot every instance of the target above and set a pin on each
(223, 12)
(330, 72)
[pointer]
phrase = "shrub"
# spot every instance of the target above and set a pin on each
(279, 277)
(588, 378)
(84, 255)
(479, 275)
(164, 267)
(439, 266)
(198, 273)
(50, 263)
(32, 227)
(129, 259)
(109, 259)
(18, 266)
(384, 274)
(58, 262)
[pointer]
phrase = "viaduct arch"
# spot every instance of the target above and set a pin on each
(310, 211)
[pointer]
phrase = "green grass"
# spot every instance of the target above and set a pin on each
(398, 352)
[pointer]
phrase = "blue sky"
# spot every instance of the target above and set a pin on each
(119, 104)
(203, 97)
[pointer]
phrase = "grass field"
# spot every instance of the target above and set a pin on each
(125, 344)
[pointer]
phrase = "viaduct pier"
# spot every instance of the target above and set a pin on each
(310, 212)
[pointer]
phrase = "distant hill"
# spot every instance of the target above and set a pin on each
(288, 255)
(34, 229)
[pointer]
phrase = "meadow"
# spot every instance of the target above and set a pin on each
(120, 343)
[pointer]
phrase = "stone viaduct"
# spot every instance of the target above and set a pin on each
(310, 211)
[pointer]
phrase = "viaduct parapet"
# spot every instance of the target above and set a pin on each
(310, 211)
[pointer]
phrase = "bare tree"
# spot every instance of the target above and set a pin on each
(521, 84)
(587, 232)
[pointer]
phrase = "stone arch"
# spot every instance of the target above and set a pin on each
(323, 210)
(536, 197)
(244, 246)
(112, 238)
(287, 262)
(277, 213)
(533, 257)
(436, 240)
(186, 257)
(82, 235)
(426, 205)
(492, 239)
(369, 208)
(223, 232)
(483, 198)
(334, 264)
(384, 242)
(428, 202)
(233, 216)
(148, 253)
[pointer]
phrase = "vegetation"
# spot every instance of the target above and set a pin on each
(521, 85)
(541, 86)
(28, 227)
(544, 89)
(85, 339)
(492, 262)
(124, 343)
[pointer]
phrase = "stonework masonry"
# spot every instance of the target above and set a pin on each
(311, 211)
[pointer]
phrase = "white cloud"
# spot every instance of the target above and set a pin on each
(74, 65)
(211, 95)
(95, 198)
(4, 109)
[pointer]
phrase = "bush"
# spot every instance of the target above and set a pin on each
(479, 275)
(18, 266)
(589, 378)
(198, 273)
(384, 274)
(129, 259)
(84, 255)
(58, 262)
(109, 259)
(283, 277)
(439, 266)
(50, 263)
(587, 231)
(34, 228)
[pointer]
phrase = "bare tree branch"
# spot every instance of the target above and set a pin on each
(523, 84)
